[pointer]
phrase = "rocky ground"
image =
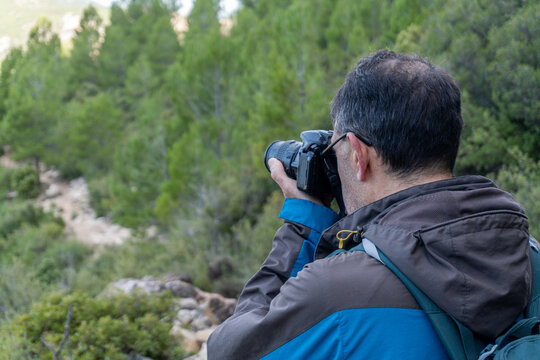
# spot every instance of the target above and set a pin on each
(198, 312)
(70, 201)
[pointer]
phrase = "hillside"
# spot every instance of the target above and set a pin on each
(17, 17)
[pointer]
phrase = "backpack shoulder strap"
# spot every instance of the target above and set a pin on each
(457, 339)
(534, 305)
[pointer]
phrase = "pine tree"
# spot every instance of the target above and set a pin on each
(83, 67)
(34, 102)
(8, 68)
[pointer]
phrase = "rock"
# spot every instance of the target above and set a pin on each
(203, 335)
(200, 323)
(202, 355)
(50, 176)
(137, 357)
(151, 231)
(189, 340)
(151, 286)
(185, 316)
(128, 286)
(178, 276)
(181, 288)
(188, 304)
(218, 308)
(52, 191)
(198, 314)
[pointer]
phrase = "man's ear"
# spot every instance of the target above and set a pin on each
(360, 156)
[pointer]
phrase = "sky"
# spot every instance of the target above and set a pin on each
(227, 6)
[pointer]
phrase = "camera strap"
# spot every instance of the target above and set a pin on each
(335, 183)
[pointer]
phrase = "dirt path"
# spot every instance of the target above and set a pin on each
(70, 201)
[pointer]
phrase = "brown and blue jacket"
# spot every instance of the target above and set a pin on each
(462, 241)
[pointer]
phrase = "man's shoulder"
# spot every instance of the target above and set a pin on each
(349, 280)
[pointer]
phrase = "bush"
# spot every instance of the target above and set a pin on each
(223, 261)
(34, 255)
(100, 195)
(100, 328)
(18, 289)
(15, 214)
(135, 258)
(59, 263)
(25, 181)
(44, 251)
(5, 182)
(522, 179)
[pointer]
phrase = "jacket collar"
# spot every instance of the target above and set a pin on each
(369, 213)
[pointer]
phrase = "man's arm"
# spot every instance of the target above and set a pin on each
(293, 247)
(241, 336)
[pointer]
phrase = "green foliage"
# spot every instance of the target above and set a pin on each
(18, 290)
(34, 255)
(221, 260)
(489, 47)
(140, 164)
(100, 328)
(521, 177)
(44, 252)
(515, 77)
(88, 134)
(34, 101)
(25, 181)
(135, 259)
(250, 237)
(401, 14)
(129, 31)
(408, 40)
(8, 68)
(483, 148)
(22, 180)
(16, 214)
(83, 64)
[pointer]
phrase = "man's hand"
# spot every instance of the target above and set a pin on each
(288, 185)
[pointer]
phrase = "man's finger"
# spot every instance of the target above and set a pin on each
(276, 170)
(288, 185)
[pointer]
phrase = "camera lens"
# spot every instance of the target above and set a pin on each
(286, 152)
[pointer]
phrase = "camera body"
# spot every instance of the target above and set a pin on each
(305, 161)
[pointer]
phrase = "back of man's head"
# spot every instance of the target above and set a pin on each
(409, 109)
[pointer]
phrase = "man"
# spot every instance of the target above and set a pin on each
(462, 241)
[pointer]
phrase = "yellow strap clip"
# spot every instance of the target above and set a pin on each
(342, 239)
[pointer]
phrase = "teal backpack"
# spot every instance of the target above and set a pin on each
(521, 342)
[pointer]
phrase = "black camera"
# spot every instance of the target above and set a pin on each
(310, 163)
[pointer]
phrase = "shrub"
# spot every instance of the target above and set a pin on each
(15, 214)
(100, 328)
(135, 258)
(522, 179)
(60, 261)
(25, 181)
(18, 289)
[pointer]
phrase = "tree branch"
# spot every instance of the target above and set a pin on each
(64, 339)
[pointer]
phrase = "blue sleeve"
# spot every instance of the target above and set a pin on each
(312, 215)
